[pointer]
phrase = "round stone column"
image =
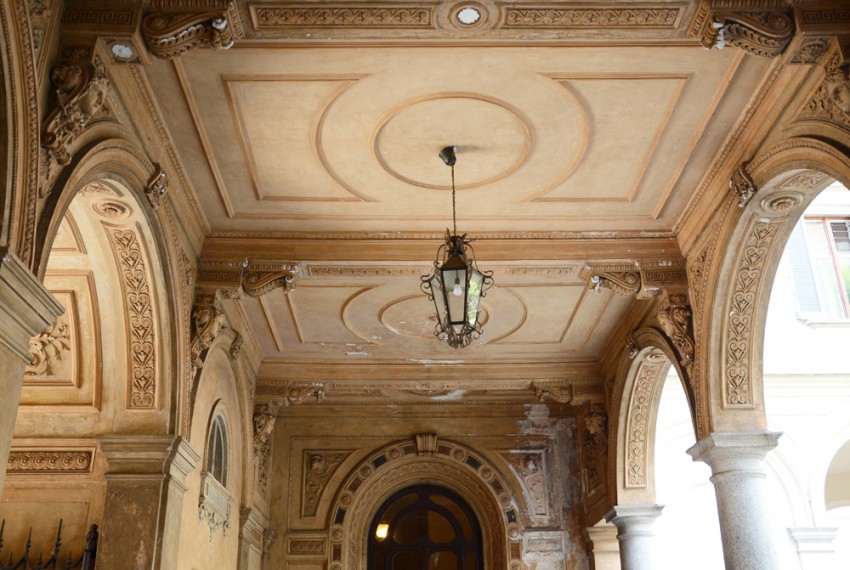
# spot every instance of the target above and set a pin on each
(634, 531)
(738, 468)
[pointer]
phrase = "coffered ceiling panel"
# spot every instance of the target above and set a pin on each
(345, 139)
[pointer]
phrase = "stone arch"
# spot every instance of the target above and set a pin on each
(637, 393)
(748, 257)
(119, 167)
(409, 462)
(19, 139)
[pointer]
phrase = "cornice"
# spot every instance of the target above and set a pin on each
(526, 246)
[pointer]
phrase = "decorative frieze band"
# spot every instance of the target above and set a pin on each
(325, 15)
(612, 16)
(39, 461)
(740, 326)
(139, 304)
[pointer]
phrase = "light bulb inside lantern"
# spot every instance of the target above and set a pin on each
(458, 290)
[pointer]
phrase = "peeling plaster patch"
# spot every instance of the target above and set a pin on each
(538, 422)
(453, 395)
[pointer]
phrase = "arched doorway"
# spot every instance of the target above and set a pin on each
(425, 527)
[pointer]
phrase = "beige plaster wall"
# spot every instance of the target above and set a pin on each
(200, 547)
(304, 489)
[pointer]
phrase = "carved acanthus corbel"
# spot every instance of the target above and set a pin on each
(644, 280)
(207, 320)
(675, 318)
(171, 34)
(560, 392)
(264, 420)
(426, 444)
(741, 184)
(156, 188)
(80, 97)
(622, 279)
(300, 393)
(261, 277)
(256, 278)
(761, 32)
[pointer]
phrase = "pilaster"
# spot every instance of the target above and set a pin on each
(816, 548)
(738, 467)
(634, 531)
(144, 497)
(606, 547)
(26, 309)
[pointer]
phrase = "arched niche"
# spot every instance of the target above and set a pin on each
(105, 188)
(450, 465)
(836, 485)
(637, 392)
(747, 258)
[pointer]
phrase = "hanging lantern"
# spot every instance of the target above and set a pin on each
(457, 285)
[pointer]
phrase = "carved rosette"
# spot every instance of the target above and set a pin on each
(80, 97)
(741, 184)
(264, 421)
(170, 35)
(676, 322)
(49, 462)
(761, 33)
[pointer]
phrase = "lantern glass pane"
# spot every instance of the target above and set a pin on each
(473, 297)
(455, 281)
(439, 298)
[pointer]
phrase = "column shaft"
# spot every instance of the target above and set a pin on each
(738, 467)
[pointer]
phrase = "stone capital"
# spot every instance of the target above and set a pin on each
(147, 456)
(735, 452)
(633, 520)
(26, 307)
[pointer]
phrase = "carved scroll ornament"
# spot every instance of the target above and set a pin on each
(80, 97)
(560, 392)
(156, 188)
(170, 35)
(742, 185)
(765, 34)
(258, 280)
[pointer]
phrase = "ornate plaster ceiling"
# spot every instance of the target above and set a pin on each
(315, 140)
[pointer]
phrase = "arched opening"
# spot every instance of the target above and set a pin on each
(689, 521)
(425, 527)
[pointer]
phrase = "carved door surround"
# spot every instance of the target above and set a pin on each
(452, 465)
